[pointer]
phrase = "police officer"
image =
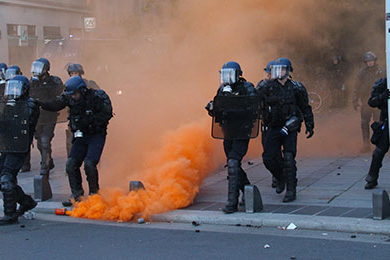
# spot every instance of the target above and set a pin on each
(3, 68)
(75, 69)
(365, 78)
(17, 89)
(232, 83)
(90, 112)
(379, 98)
(264, 127)
(44, 87)
(286, 105)
(337, 83)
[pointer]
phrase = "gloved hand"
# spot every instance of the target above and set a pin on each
(309, 132)
(209, 108)
(385, 95)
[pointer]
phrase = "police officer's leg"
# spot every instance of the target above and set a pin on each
(377, 157)
(69, 137)
(94, 152)
(239, 150)
(290, 169)
(365, 115)
(73, 164)
(26, 164)
(44, 146)
(263, 137)
(12, 163)
(272, 157)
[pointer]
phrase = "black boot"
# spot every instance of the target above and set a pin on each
(92, 176)
(243, 181)
(75, 181)
(274, 182)
(233, 190)
(280, 185)
(291, 182)
(28, 203)
(73, 198)
(373, 173)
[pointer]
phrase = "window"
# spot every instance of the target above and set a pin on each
(52, 32)
(12, 30)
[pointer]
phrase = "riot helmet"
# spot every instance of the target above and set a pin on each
(230, 73)
(267, 69)
(17, 87)
(40, 67)
(281, 69)
(369, 56)
(75, 88)
(75, 68)
(12, 72)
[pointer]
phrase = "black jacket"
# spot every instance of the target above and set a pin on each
(377, 100)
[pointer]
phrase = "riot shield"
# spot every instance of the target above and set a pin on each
(236, 117)
(14, 127)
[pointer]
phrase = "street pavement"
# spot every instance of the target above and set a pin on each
(330, 194)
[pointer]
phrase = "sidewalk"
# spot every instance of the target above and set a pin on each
(330, 196)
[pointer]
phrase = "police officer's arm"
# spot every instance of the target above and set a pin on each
(103, 108)
(59, 86)
(303, 103)
(251, 91)
(56, 105)
(379, 94)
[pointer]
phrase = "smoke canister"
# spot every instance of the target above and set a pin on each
(62, 212)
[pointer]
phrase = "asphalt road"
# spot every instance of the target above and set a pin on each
(67, 238)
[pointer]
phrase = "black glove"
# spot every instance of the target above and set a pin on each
(309, 132)
(385, 95)
(209, 108)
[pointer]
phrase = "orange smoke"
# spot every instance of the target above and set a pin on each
(171, 179)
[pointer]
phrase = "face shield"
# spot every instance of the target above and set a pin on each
(13, 89)
(279, 72)
(228, 76)
(10, 73)
(37, 68)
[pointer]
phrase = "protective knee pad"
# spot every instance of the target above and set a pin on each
(44, 143)
(377, 154)
(7, 182)
(233, 167)
(72, 165)
(90, 167)
(289, 160)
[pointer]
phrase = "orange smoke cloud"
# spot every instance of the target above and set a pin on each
(171, 179)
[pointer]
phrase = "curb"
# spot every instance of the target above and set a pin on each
(322, 223)
(273, 220)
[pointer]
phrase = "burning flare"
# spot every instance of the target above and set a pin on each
(171, 180)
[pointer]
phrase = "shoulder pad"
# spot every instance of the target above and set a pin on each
(32, 103)
(296, 83)
(91, 84)
(248, 84)
(101, 94)
(380, 82)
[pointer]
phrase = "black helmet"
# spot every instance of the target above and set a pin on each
(230, 73)
(12, 72)
(40, 67)
(75, 67)
(370, 56)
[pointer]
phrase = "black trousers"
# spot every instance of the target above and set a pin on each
(382, 147)
(366, 113)
(278, 147)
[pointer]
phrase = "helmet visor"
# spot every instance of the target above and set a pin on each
(10, 73)
(37, 68)
(228, 76)
(13, 89)
(279, 72)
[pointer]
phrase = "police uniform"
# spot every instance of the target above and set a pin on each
(281, 103)
(90, 117)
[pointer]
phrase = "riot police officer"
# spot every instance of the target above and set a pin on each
(44, 87)
(380, 138)
(3, 68)
(337, 83)
(89, 114)
(286, 105)
(365, 78)
(75, 69)
(233, 84)
(17, 94)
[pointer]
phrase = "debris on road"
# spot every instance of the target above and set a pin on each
(266, 246)
(292, 226)
(195, 223)
(29, 215)
(141, 221)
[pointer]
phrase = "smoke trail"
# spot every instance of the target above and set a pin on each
(171, 179)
